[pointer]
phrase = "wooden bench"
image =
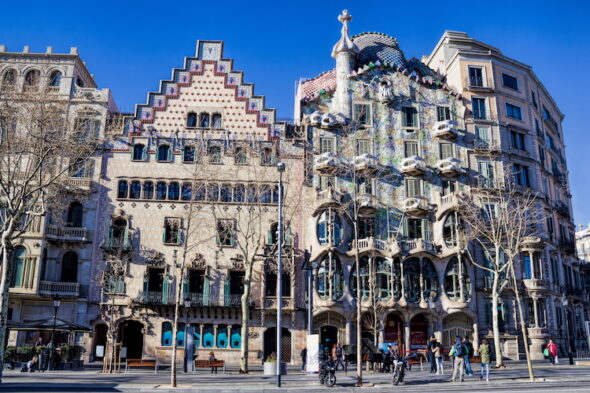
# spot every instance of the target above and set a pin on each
(135, 363)
(210, 363)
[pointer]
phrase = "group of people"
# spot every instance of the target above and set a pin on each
(462, 352)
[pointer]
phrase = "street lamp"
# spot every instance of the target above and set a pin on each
(56, 304)
(280, 168)
(187, 358)
(565, 302)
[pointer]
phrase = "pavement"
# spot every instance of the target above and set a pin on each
(513, 378)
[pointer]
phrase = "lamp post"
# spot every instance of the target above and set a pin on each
(187, 304)
(565, 302)
(280, 169)
(56, 304)
(307, 267)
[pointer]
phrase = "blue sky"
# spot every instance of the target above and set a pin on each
(130, 46)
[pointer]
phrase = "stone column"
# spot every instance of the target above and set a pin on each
(215, 336)
(535, 310)
(407, 335)
(532, 263)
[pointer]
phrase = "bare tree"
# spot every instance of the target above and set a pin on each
(41, 145)
(372, 318)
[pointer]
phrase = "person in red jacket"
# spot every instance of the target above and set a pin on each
(552, 351)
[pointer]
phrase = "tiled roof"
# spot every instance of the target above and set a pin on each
(378, 47)
(325, 81)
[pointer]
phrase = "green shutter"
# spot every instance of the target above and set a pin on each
(165, 289)
(125, 236)
(269, 237)
(426, 229)
(226, 291)
(206, 292)
(405, 227)
(110, 239)
(185, 287)
(288, 236)
(144, 153)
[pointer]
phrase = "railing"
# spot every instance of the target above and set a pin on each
(52, 89)
(371, 243)
(418, 245)
(482, 144)
(199, 299)
(67, 233)
(155, 297)
(117, 243)
(59, 288)
(83, 183)
(231, 300)
(475, 82)
(115, 286)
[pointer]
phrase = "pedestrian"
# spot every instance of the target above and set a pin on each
(437, 352)
(431, 358)
(338, 360)
(458, 351)
(467, 344)
(484, 354)
(212, 359)
(32, 364)
(345, 360)
(303, 359)
(552, 352)
(39, 342)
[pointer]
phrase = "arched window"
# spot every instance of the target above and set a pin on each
(135, 190)
(267, 156)
(457, 281)
(139, 152)
(239, 193)
(161, 189)
(166, 338)
(420, 276)
(180, 335)
(216, 121)
(240, 155)
(19, 260)
(212, 192)
(236, 336)
(173, 191)
(32, 78)
(75, 213)
(222, 338)
(55, 79)
(383, 278)
(9, 78)
(191, 119)
(148, 190)
(204, 120)
(69, 267)
(208, 336)
(122, 189)
(186, 192)
(188, 154)
(164, 153)
(378, 268)
(330, 267)
(226, 193)
(329, 228)
(450, 230)
(215, 154)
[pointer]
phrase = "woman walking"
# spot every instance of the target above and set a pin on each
(484, 353)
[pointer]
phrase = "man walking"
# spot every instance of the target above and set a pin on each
(303, 359)
(338, 359)
(431, 346)
(459, 352)
(469, 347)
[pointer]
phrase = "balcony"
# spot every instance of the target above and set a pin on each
(155, 297)
(67, 234)
(532, 243)
(563, 209)
(413, 166)
(449, 167)
(445, 129)
(477, 84)
(199, 299)
(78, 183)
(415, 205)
(416, 246)
(367, 203)
(328, 198)
(369, 245)
(329, 164)
(232, 300)
(64, 289)
(534, 284)
(367, 165)
(449, 202)
(52, 90)
(486, 146)
(117, 243)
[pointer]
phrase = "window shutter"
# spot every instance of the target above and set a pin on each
(226, 293)
(164, 235)
(269, 236)
(426, 229)
(144, 153)
(180, 237)
(145, 282)
(206, 292)
(165, 288)
(125, 235)
(169, 158)
(405, 227)
(185, 287)
(109, 240)
(288, 236)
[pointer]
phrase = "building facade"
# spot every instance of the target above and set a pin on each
(55, 255)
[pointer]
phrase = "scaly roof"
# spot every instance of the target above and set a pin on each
(378, 47)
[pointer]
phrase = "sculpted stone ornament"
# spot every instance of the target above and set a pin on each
(385, 93)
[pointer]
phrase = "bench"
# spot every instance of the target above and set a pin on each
(135, 363)
(210, 363)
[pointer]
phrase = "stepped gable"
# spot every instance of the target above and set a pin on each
(208, 83)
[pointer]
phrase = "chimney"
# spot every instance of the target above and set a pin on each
(26, 49)
(3, 48)
(49, 50)
(73, 50)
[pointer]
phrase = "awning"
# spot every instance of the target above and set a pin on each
(47, 325)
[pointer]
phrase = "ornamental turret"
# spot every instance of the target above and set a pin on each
(344, 52)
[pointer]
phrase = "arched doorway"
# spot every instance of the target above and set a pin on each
(418, 332)
(328, 337)
(131, 337)
(457, 324)
(394, 331)
(332, 329)
(100, 340)
(270, 344)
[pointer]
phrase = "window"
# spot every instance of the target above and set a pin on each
(55, 79)
(510, 81)
(69, 267)
(327, 182)
(486, 174)
(18, 270)
(517, 140)
(410, 149)
(265, 194)
(204, 120)
(549, 142)
(271, 284)
(148, 190)
(164, 153)
(32, 78)
(81, 168)
(521, 175)
(212, 192)
(226, 233)
(448, 187)
(362, 114)
(188, 154)
(239, 193)
(139, 152)
(364, 186)
(366, 227)
(122, 189)
(267, 156)
(478, 106)
(161, 191)
(240, 155)
(135, 190)
(329, 228)
(196, 281)
(476, 77)
(75, 215)
(215, 155)
(363, 146)
(173, 191)
(9, 78)
(443, 113)
(413, 228)
(450, 230)
(200, 191)
(513, 111)
(252, 194)
(413, 188)
(225, 195)
(330, 278)
(534, 99)
(86, 128)
(457, 281)
(191, 119)
(186, 192)
(216, 121)
(409, 117)
(420, 276)
(172, 231)
(327, 145)
(482, 137)
(446, 150)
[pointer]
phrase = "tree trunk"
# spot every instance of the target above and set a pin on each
(4, 285)
(525, 336)
(359, 355)
(495, 326)
(245, 319)
(175, 331)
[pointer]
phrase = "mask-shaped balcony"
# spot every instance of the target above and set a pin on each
(416, 246)
(448, 202)
(449, 167)
(415, 205)
(445, 129)
(369, 245)
(533, 244)
(328, 198)
(367, 165)
(413, 166)
(367, 203)
(329, 164)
